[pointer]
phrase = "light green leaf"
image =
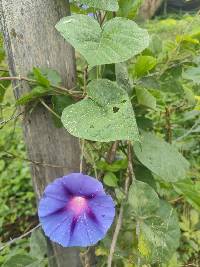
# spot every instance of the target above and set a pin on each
(143, 199)
(193, 74)
(38, 247)
(145, 98)
(190, 191)
(110, 5)
(118, 40)
(40, 78)
(106, 115)
(161, 233)
(110, 179)
(161, 158)
(116, 166)
(45, 76)
(143, 65)
(129, 8)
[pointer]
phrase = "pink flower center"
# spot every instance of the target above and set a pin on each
(78, 205)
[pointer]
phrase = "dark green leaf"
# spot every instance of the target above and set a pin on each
(144, 175)
(60, 102)
(34, 94)
(19, 260)
(38, 247)
(122, 77)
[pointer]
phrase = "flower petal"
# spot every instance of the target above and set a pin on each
(85, 232)
(48, 205)
(58, 227)
(57, 190)
(103, 208)
(83, 185)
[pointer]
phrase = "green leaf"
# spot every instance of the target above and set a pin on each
(2, 165)
(3, 85)
(143, 65)
(161, 158)
(144, 175)
(129, 8)
(116, 166)
(143, 199)
(106, 115)
(40, 77)
(190, 191)
(161, 233)
(34, 94)
(145, 98)
(193, 74)
(122, 77)
(118, 40)
(38, 247)
(110, 5)
(46, 76)
(60, 102)
(110, 179)
(19, 260)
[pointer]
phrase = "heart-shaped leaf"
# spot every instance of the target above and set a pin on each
(110, 5)
(106, 115)
(118, 40)
(143, 199)
(160, 234)
(161, 158)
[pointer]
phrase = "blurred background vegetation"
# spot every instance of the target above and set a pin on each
(169, 72)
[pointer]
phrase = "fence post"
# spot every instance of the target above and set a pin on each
(31, 40)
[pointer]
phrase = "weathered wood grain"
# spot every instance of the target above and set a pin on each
(31, 40)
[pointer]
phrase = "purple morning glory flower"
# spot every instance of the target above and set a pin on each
(75, 211)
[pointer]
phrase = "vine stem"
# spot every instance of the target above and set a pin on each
(168, 125)
(49, 109)
(130, 176)
(20, 237)
(13, 117)
(21, 78)
(82, 145)
(32, 161)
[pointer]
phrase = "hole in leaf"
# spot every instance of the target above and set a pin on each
(115, 109)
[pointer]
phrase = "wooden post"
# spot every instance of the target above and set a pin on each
(31, 40)
(149, 8)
